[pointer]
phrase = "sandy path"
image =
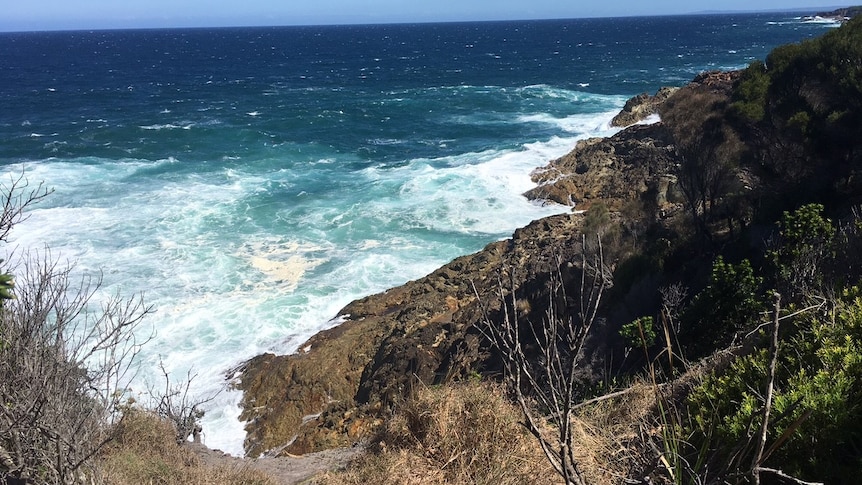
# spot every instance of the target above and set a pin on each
(285, 470)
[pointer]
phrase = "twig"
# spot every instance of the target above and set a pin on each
(550, 377)
(785, 317)
(603, 398)
(770, 386)
(785, 476)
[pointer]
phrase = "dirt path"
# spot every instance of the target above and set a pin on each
(285, 470)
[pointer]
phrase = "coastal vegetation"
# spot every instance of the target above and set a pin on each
(464, 433)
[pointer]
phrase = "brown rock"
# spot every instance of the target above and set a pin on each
(636, 164)
(426, 331)
(641, 106)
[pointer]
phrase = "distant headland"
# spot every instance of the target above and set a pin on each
(838, 15)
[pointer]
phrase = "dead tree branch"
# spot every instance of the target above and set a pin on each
(176, 405)
(65, 361)
(541, 361)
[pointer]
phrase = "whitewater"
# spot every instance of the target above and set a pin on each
(252, 182)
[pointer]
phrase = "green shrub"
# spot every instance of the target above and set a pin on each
(802, 249)
(816, 428)
(728, 305)
(639, 333)
(749, 96)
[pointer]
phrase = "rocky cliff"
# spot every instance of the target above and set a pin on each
(338, 388)
(635, 165)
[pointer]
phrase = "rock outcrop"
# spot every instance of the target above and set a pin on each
(636, 164)
(641, 107)
(838, 15)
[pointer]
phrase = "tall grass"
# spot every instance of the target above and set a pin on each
(466, 433)
(145, 452)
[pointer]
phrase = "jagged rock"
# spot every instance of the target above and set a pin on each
(636, 164)
(719, 82)
(641, 107)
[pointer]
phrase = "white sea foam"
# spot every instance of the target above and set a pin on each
(579, 124)
(545, 91)
(215, 296)
(168, 126)
(826, 21)
(650, 120)
(815, 20)
(480, 193)
(283, 264)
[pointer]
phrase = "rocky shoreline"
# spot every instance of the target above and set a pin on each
(337, 390)
(838, 15)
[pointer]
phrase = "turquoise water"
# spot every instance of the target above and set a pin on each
(252, 182)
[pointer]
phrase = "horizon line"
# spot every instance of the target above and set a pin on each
(394, 22)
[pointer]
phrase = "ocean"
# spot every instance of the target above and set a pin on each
(250, 182)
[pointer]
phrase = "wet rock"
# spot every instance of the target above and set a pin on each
(636, 164)
(641, 107)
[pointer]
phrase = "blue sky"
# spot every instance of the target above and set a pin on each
(23, 15)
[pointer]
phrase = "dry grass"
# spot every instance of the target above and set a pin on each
(471, 434)
(145, 452)
(458, 434)
(609, 435)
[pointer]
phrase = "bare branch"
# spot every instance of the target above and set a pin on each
(786, 476)
(770, 386)
(63, 366)
(16, 196)
(178, 406)
(541, 361)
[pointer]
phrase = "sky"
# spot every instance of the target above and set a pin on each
(27, 15)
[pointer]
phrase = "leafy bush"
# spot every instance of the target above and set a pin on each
(639, 333)
(804, 244)
(815, 429)
(806, 103)
(816, 432)
(749, 97)
(728, 305)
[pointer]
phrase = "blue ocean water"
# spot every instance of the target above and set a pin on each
(251, 182)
